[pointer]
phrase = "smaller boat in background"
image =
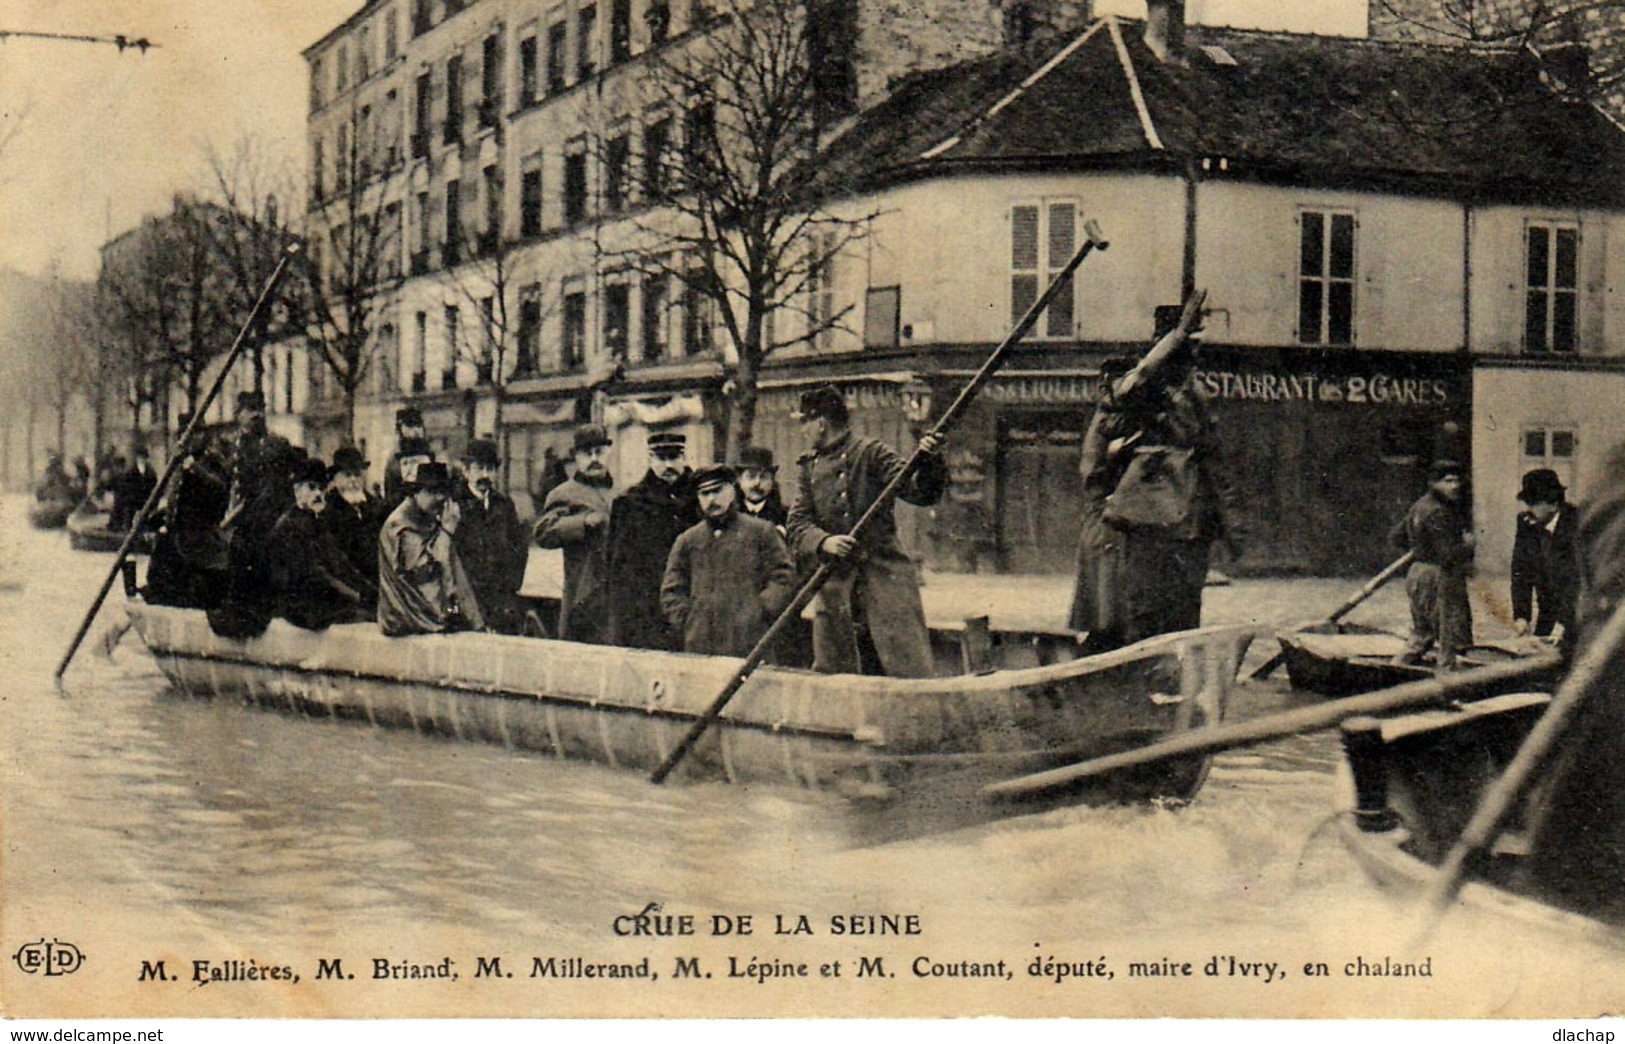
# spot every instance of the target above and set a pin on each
(1348, 659)
(88, 530)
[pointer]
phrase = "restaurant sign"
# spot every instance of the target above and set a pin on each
(1358, 379)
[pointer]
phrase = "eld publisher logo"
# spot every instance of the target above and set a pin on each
(53, 958)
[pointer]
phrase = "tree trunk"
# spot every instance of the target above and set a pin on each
(349, 413)
(62, 430)
(742, 404)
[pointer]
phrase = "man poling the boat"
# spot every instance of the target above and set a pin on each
(869, 617)
(644, 523)
(188, 564)
(422, 588)
(574, 518)
(728, 575)
(1437, 531)
(490, 540)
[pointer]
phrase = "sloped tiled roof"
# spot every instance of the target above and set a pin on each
(1316, 110)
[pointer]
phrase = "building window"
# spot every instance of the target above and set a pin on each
(491, 80)
(656, 153)
(420, 17)
(573, 346)
(528, 353)
(1326, 277)
(1042, 239)
(422, 116)
(316, 73)
(363, 55)
(1551, 447)
(485, 357)
(556, 37)
(700, 135)
(575, 184)
(384, 373)
(420, 364)
(453, 133)
(318, 163)
(821, 291)
(493, 208)
(586, 32)
(342, 161)
(617, 162)
(389, 245)
(530, 199)
(527, 71)
(448, 374)
(658, 17)
(620, 31)
(698, 317)
(880, 317)
(454, 222)
(392, 42)
(365, 143)
(1551, 296)
(420, 257)
(392, 128)
(617, 318)
(341, 69)
(656, 316)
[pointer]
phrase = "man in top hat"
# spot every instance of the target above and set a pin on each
(411, 449)
(759, 487)
(422, 588)
(188, 564)
(314, 583)
(869, 613)
(490, 541)
(575, 518)
(131, 490)
(644, 523)
(728, 576)
(354, 516)
(1438, 532)
(1546, 562)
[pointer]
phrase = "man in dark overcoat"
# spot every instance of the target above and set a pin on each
(490, 540)
(575, 518)
(873, 599)
(314, 583)
(131, 490)
(644, 523)
(188, 564)
(728, 576)
(1546, 562)
(354, 516)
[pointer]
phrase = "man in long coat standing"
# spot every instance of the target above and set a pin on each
(1546, 562)
(644, 523)
(575, 517)
(422, 588)
(729, 576)
(874, 595)
(490, 540)
(354, 517)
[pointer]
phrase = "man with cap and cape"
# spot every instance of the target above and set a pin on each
(1438, 533)
(1546, 562)
(728, 576)
(644, 523)
(354, 515)
(422, 588)
(575, 519)
(869, 617)
(490, 540)
(314, 583)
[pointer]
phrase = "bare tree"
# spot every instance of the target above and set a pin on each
(352, 259)
(68, 371)
(738, 230)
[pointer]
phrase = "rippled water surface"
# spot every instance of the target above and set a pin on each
(141, 825)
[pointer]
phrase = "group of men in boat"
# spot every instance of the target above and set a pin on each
(697, 560)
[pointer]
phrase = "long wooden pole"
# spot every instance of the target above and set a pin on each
(1276, 726)
(1093, 240)
(1537, 749)
(288, 254)
(1393, 569)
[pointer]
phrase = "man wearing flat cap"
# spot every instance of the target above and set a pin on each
(314, 584)
(1546, 562)
(422, 588)
(1438, 532)
(644, 523)
(869, 614)
(490, 540)
(575, 518)
(354, 516)
(728, 576)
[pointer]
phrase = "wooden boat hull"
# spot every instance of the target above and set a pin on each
(49, 514)
(1352, 660)
(629, 708)
(1433, 767)
(88, 531)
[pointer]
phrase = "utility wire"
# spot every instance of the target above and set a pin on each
(140, 43)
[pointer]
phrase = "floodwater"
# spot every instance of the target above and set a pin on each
(143, 826)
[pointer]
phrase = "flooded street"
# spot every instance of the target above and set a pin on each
(144, 826)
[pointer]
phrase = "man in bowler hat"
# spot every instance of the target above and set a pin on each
(869, 613)
(759, 487)
(411, 449)
(1546, 562)
(644, 523)
(490, 540)
(354, 517)
(575, 518)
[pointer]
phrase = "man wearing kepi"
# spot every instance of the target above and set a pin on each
(729, 576)
(644, 523)
(870, 609)
(422, 588)
(490, 540)
(1546, 562)
(1437, 531)
(575, 518)
(411, 449)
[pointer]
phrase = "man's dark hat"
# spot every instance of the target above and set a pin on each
(483, 451)
(416, 446)
(589, 436)
(1445, 466)
(348, 458)
(251, 400)
(1541, 486)
(757, 458)
(311, 470)
(409, 415)
(182, 420)
(825, 401)
(669, 439)
(433, 475)
(713, 475)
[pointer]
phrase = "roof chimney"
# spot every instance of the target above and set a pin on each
(1165, 30)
